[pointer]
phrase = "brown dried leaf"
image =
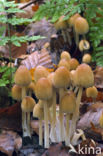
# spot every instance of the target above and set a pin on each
(57, 150)
(96, 130)
(10, 117)
(95, 106)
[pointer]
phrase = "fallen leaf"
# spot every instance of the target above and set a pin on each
(57, 150)
(10, 117)
(9, 143)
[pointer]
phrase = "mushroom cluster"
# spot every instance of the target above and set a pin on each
(75, 29)
(68, 81)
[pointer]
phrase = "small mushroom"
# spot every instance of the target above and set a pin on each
(27, 106)
(84, 78)
(92, 92)
(73, 64)
(44, 91)
(84, 45)
(61, 81)
(64, 63)
(87, 58)
(39, 113)
(65, 55)
(71, 22)
(16, 92)
(62, 25)
(23, 78)
(81, 27)
(68, 104)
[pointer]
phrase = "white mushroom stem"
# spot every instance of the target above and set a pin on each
(61, 93)
(64, 36)
(24, 125)
(46, 119)
(67, 136)
(77, 39)
(28, 124)
(54, 118)
(76, 113)
(40, 133)
(76, 90)
(68, 37)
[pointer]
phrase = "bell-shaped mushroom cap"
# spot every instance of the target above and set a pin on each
(84, 45)
(92, 92)
(84, 76)
(22, 76)
(38, 112)
(68, 103)
(28, 104)
(16, 92)
(86, 58)
(64, 63)
(72, 77)
(31, 87)
(65, 55)
(60, 24)
(40, 72)
(43, 89)
(81, 26)
(73, 64)
(72, 19)
(61, 78)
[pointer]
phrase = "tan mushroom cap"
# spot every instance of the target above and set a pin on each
(92, 92)
(65, 55)
(40, 72)
(72, 77)
(16, 92)
(72, 19)
(81, 26)
(60, 24)
(28, 104)
(84, 45)
(31, 87)
(87, 58)
(73, 64)
(84, 76)
(22, 76)
(43, 89)
(64, 63)
(68, 103)
(61, 78)
(38, 112)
